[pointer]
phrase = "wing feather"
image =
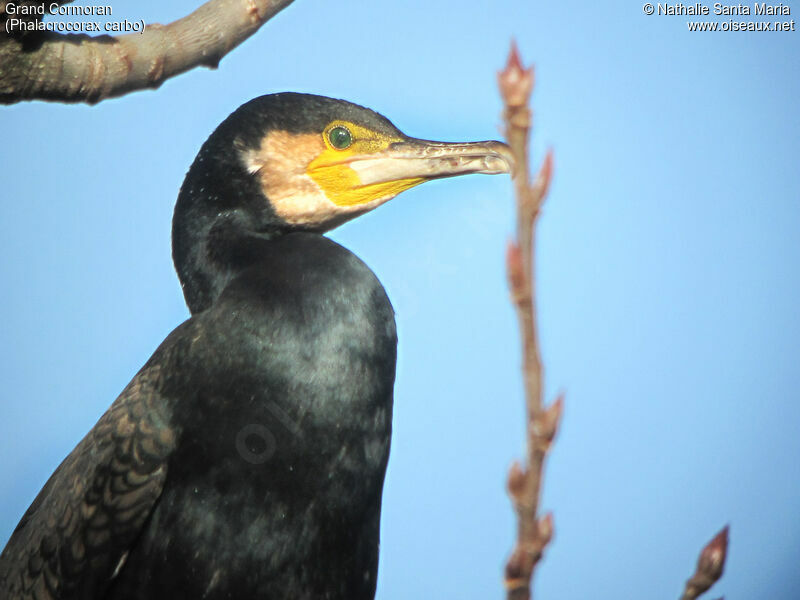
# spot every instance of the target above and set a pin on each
(75, 536)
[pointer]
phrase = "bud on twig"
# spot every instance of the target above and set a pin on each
(534, 199)
(712, 558)
(515, 82)
(545, 423)
(710, 566)
(545, 529)
(516, 481)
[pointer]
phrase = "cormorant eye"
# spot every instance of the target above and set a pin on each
(340, 137)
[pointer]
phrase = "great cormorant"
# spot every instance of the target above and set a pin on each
(246, 458)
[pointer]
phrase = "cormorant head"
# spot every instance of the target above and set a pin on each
(287, 162)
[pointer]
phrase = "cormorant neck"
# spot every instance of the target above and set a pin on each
(221, 222)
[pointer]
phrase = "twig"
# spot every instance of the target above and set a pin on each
(709, 566)
(524, 482)
(80, 68)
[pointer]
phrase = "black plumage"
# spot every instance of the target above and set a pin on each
(246, 458)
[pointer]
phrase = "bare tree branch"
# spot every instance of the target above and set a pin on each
(524, 482)
(709, 566)
(81, 68)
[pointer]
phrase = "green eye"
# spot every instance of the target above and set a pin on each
(340, 138)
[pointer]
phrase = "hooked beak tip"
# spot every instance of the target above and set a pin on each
(501, 159)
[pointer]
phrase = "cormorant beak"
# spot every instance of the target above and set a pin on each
(412, 159)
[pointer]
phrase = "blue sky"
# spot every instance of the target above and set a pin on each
(668, 276)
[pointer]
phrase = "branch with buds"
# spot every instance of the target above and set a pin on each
(524, 481)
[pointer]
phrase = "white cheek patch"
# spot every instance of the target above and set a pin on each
(315, 211)
(280, 164)
(307, 206)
